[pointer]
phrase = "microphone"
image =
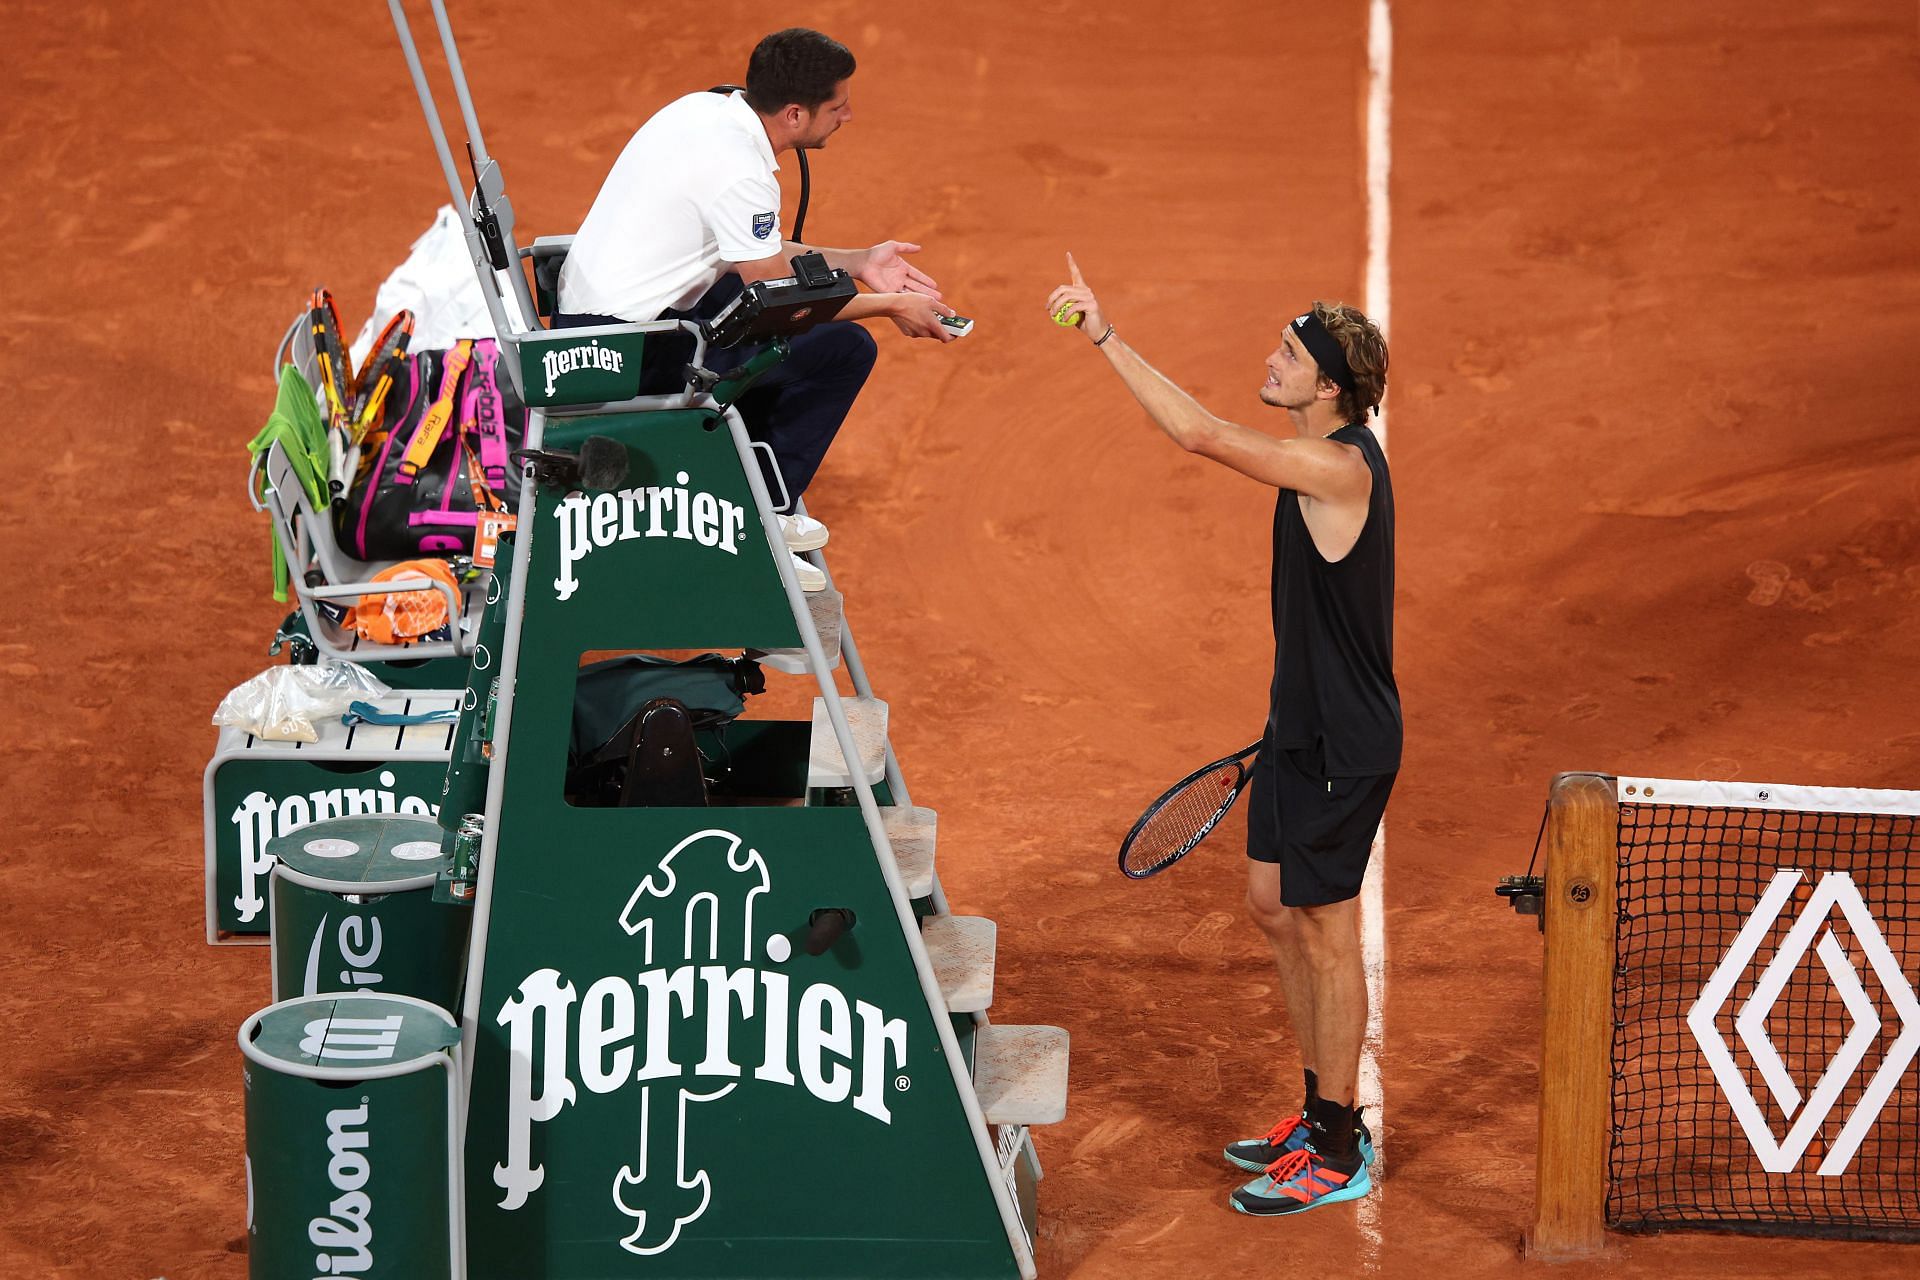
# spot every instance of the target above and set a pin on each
(599, 467)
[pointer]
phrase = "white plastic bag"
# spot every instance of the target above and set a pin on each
(282, 704)
(437, 284)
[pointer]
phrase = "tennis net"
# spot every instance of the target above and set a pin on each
(1765, 1022)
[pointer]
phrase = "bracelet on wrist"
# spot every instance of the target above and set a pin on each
(1101, 340)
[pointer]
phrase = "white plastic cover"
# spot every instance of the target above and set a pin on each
(437, 284)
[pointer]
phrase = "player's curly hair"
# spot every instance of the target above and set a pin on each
(797, 65)
(1366, 353)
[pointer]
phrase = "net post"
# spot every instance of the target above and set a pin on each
(1575, 1094)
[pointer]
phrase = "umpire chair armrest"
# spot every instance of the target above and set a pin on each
(594, 368)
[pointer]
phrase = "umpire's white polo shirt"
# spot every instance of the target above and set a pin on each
(692, 193)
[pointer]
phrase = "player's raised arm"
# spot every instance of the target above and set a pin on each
(1308, 462)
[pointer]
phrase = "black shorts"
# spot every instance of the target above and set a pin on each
(1319, 829)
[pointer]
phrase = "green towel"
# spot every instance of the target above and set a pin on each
(296, 424)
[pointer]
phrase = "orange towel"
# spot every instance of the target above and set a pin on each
(404, 616)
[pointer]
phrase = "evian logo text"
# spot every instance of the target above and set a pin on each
(557, 364)
(262, 817)
(692, 983)
(644, 511)
(358, 939)
(344, 1234)
(1807, 1113)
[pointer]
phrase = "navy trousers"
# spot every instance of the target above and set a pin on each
(796, 407)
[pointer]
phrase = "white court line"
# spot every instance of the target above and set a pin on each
(1368, 1092)
(1379, 163)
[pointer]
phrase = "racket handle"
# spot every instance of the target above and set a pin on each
(824, 927)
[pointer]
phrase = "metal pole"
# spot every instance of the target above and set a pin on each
(427, 104)
(459, 78)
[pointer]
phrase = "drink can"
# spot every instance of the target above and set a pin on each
(487, 721)
(466, 853)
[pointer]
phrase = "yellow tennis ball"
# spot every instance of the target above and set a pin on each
(1066, 316)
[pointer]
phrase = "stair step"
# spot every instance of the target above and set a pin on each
(961, 950)
(829, 612)
(1020, 1074)
(911, 832)
(867, 717)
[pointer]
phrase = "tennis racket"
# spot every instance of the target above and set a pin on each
(1175, 824)
(335, 365)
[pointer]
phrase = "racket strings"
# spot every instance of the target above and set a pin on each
(1183, 818)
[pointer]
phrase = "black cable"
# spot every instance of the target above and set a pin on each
(806, 194)
(806, 179)
(1537, 837)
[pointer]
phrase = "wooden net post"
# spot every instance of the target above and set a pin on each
(1575, 1089)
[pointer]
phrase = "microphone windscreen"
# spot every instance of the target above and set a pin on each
(603, 464)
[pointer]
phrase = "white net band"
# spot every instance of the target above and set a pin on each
(1765, 795)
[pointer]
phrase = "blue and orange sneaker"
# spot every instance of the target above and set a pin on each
(1285, 1138)
(1302, 1180)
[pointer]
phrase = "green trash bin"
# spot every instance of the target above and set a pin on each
(353, 1160)
(352, 910)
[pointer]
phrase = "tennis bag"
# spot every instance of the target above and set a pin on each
(440, 456)
(615, 701)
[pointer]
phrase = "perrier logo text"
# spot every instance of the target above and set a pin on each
(680, 1025)
(644, 511)
(559, 363)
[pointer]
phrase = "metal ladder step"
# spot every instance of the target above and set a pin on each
(826, 767)
(829, 616)
(912, 832)
(1020, 1074)
(961, 949)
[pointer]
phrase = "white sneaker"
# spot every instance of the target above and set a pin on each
(803, 533)
(811, 578)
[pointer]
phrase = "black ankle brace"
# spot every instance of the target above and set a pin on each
(1334, 1126)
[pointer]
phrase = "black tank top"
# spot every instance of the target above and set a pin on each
(1333, 633)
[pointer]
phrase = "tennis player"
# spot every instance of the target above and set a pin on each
(1332, 743)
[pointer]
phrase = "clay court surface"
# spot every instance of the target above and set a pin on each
(1656, 299)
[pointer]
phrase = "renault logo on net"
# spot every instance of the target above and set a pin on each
(1807, 1113)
